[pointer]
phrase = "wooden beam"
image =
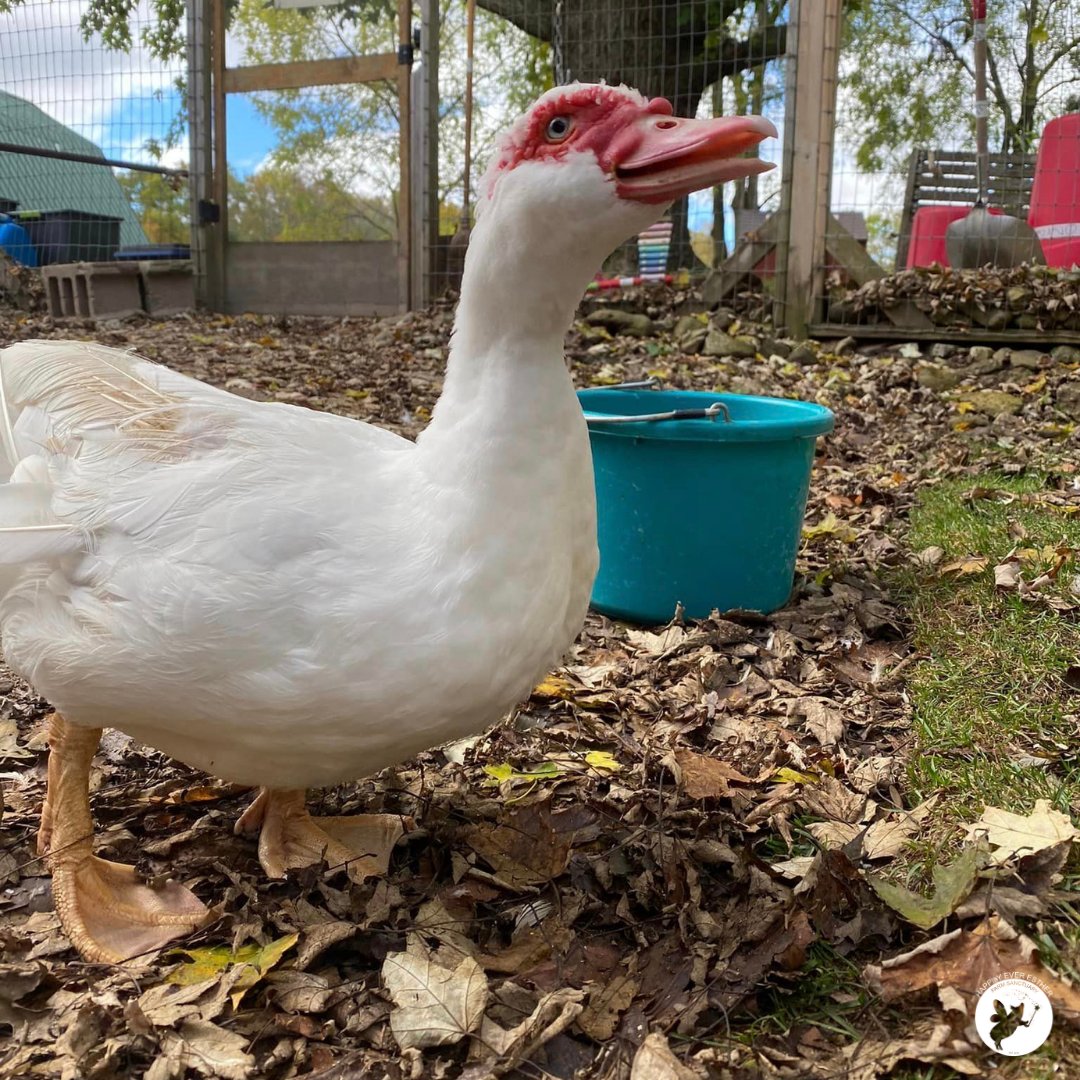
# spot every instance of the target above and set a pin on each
(975, 336)
(720, 283)
(219, 232)
(301, 73)
(809, 136)
(403, 74)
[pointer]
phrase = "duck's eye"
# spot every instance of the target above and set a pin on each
(558, 128)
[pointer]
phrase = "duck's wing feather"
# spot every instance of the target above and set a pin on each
(78, 419)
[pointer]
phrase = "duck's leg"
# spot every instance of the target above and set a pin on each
(290, 838)
(109, 914)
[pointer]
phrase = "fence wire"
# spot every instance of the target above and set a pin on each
(65, 93)
(907, 171)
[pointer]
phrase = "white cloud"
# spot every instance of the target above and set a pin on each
(116, 99)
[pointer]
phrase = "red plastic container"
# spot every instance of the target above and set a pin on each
(1055, 194)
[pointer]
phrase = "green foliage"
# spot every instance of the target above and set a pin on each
(907, 78)
(161, 205)
(280, 202)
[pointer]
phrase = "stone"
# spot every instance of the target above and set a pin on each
(1028, 322)
(941, 350)
(980, 353)
(1067, 399)
(722, 318)
(993, 402)
(1031, 359)
(987, 366)
(910, 350)
(804, 353)
(1018, 297)
(1065, 354)
(688, 324)
(771, 346)
(617, 321)
(717, 343)
(937, 377)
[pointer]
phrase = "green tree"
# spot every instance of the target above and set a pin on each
(280, 202)
(907, 74)
(161, 204)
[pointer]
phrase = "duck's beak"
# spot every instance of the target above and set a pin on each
(660, 157)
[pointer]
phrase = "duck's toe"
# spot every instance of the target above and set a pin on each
(290, 838)
(111, 914)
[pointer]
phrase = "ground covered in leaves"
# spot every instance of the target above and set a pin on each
(696, 850)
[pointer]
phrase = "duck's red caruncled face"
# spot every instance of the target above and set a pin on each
(650, 155)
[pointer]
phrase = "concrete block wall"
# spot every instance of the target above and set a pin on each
(111, 290)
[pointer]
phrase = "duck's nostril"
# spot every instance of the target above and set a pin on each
(664, 124)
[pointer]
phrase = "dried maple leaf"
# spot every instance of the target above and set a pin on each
(704, 777)
(1018, 834)
(965, 960)
(433, 1005)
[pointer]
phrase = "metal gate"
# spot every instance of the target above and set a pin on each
(288, 278)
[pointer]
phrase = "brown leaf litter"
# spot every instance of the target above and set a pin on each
(624, 879)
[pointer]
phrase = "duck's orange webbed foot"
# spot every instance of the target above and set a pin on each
(290, 838)
(109, 913)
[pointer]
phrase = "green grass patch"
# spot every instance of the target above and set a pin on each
(995, 718)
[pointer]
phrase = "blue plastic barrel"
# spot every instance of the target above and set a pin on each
(703, 512)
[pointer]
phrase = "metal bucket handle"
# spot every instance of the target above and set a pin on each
(710, 412)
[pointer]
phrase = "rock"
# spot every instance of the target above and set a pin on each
(986, 366)
(940, 350)
(618, 321)
(1031, 359)
(722, 318)
(1065, 354)
(717, 343)
(1018, 297)
(1067, 399)
(937, 377)
(771, 346)
(804, 353)
(1028, 322)
(993, 402)
(910, 350)
(688, 324)
(980, 353)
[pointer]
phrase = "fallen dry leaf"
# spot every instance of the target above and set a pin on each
(965, 960)
(702, 776)
(655, 1061)
(433, 1005)
(1018, 834)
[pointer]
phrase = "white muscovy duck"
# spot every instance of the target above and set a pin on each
(287, 598)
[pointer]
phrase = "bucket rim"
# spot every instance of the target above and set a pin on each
(782, 419)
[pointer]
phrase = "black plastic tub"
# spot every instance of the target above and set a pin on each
(64, 236)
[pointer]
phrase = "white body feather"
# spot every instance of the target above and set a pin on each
(288, 598)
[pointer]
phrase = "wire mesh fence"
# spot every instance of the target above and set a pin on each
(70, 98)
(912, 108)
(708, 57)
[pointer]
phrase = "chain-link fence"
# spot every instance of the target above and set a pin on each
(926, 197)
(92, 137)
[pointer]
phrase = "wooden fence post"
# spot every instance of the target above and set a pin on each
(808, 150)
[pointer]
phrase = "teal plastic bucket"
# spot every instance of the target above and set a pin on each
(706, 512)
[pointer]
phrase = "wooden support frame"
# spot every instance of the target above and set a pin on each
(808, 151)
(333, 71)
(300, 73)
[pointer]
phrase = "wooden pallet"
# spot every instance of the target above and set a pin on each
(948, 176)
